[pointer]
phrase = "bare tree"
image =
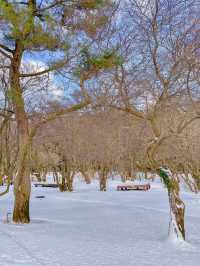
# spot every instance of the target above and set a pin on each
(155, 81)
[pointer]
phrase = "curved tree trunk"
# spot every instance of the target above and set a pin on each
(177, 206)
(177, 213)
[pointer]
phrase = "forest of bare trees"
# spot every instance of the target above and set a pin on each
(129, 77)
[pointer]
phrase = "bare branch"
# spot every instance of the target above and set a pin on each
(7, 49)
(5, 54)
(52, 116)
(45, 71)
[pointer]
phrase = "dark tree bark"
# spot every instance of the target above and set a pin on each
(67, 178)
(22, 185)
(177, 211)
(103, 178)
(177, 206)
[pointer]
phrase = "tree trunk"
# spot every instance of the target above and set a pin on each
(177, 206)
(38, 176)
(88, 175)
(67, 179)
(69, 182)
(44, 175)
(22, 185)
(103, 179)
(22, 197)
(177, 213)
(87, 178)
(22, 189)
(55, 176)
(197, 181)
(63, 186)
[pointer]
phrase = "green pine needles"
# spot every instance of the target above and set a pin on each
(165, 178)
(91, 64)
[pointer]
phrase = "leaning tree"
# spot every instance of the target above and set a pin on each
(155, 82)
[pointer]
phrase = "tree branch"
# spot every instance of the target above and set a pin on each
(186, 124)
(6, 191)
(129, 110)
(53, 115)
(7, 49)
(56, 3)
(5, 54)
(45, 71)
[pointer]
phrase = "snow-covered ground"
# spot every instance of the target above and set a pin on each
(92, 228)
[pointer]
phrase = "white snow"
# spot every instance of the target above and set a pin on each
(92, 228)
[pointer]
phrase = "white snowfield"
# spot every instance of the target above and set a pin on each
(92, 228)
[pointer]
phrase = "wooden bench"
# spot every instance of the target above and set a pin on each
(144, 187)
(45, 185)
